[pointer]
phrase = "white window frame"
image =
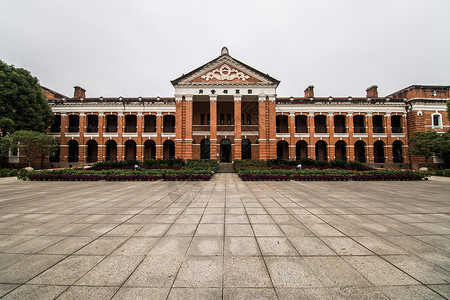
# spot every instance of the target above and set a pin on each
(439, 121)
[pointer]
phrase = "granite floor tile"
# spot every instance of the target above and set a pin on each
(245, 272)
(200, 272)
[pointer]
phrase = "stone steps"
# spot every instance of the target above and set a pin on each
(225, 168)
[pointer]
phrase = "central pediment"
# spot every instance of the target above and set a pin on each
(225, 70)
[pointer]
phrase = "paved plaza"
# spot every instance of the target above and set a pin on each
(224, 239)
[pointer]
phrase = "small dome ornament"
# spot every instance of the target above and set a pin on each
(224, 51)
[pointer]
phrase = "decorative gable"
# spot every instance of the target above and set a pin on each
(225, 73)
(225, 70)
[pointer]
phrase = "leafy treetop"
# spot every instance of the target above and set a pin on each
(22, 100)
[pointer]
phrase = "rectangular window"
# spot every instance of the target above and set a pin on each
(207, 120)
(242, 119)
(228, 119)
(202, 119)
(249, 122)
(222, 119)
(436, 120)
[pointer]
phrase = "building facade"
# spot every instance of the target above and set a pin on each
(227, 110)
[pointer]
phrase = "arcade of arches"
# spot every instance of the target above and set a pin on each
(226, 110)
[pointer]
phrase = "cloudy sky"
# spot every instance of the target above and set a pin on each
(134, 48)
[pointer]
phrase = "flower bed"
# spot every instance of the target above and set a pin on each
(260, 170)
(191, 177)
(122, 171)
(133, 177)
(64, 177)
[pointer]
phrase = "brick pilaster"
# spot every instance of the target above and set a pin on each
(213, 127)
(178, 126)
(187, 123)
(369, 130)
(351, 139)
(158, 142)
(237, 127)
(272, 127)
(262, 121)
(291, 120)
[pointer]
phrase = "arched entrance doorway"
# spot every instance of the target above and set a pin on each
(204, 149)
(130, 150)
(321, 151)
(225, 150)
(246, 149)
(378, 152)
(301, 150)
(340, 150)
(397, 151)
(73, 151)
(360, 151)
(282, 150)
(111, 150)
(169, 149)
(92, 151)
(149, 149)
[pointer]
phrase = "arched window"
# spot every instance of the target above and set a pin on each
(92, 151)
(111, 150)
(397, 151)
(54, 157)
(339, 124)
(111, 123)
(378, 126)
(301, 124)
(360, 151)
(130, 150)
(282, 124)
(301, 150)
(92, 123)
(225, 150)
(246, 149)
(436, 119)
(150, 123)
(396, 124)
(56, 126)
(73, 151)
(168, 149)
(283, 150)
(169, 123)
(321, 150)
(340, 150)
(204, 149)
(378, 152)
(359, 124)
(320, 124)
(74, 123)
(149, 149)
(130, 123)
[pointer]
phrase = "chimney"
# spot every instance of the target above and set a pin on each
(372, 92)
(79, 92)
(309, 92)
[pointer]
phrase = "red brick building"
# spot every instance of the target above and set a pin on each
(227, 110)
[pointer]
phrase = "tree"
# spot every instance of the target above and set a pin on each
(22, 100)
(442, 145)
(424, 144)
(32, 144)
(6, 126)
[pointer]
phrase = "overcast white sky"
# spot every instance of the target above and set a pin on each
(134, 48)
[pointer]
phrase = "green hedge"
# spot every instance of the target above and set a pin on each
(8, 172)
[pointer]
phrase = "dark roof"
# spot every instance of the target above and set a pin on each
(421, 87)
(56, 94)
